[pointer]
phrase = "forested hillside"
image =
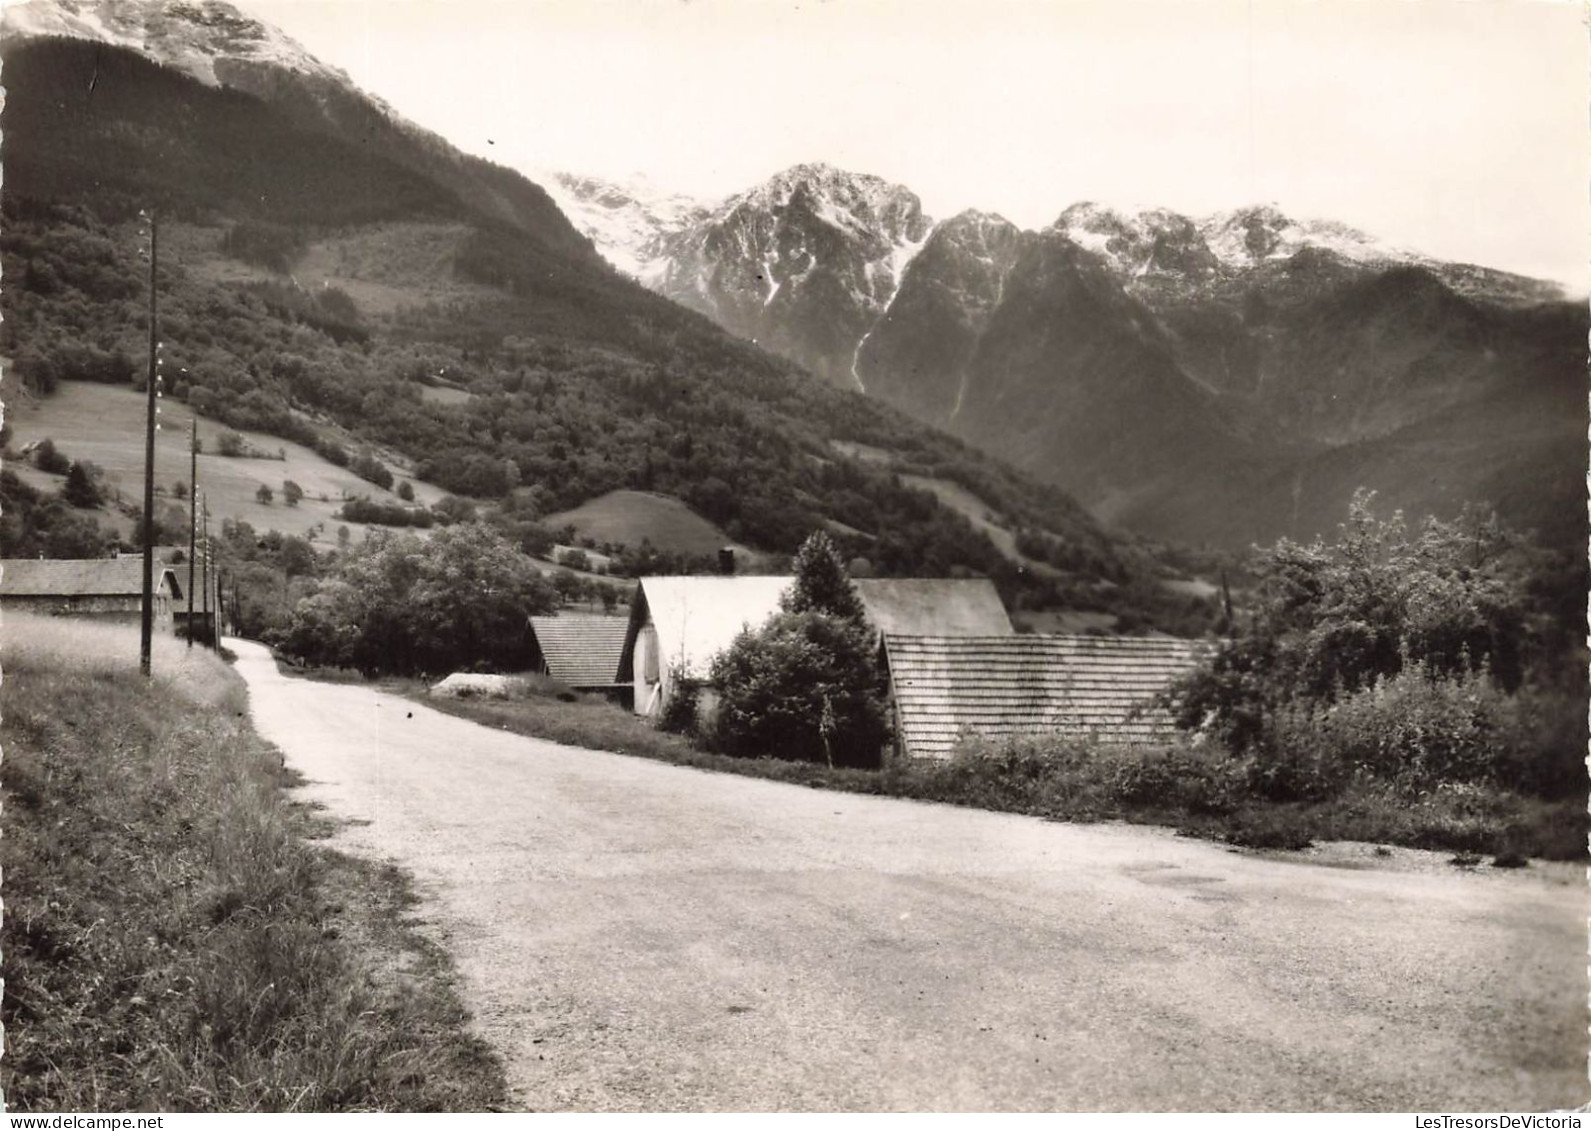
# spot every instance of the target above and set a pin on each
(580, 381)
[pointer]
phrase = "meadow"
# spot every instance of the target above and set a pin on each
(628, 517)
(104, 424)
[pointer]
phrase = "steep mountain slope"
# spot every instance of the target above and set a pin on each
(219, 46)
(1161, 367)
(568, 381)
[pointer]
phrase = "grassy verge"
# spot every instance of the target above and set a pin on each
(1194, 791)
(173, 940)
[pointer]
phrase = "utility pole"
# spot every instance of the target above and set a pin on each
(147, 619)
(209, 629)
(193, 515)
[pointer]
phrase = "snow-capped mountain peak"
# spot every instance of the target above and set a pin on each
(1244, 237)
(855, 203)
(199, 37)
(630, 222)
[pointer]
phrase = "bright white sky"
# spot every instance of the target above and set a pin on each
(1457, 128)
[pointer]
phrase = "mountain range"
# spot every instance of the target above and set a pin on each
(1223, 379)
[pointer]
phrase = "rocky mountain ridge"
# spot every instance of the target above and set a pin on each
(1123, 354)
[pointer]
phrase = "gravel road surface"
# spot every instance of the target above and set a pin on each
(638, 936)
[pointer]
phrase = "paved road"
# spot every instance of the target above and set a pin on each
(634, 935)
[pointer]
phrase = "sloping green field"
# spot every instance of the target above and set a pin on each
(104, 424)
(630, 516)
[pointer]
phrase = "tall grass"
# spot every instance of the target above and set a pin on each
(171, 940)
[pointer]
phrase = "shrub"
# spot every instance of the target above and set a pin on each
(48, 458)
(804, 688)
(680, 712)
(1411, 729)
(1176, 778)
(80, 489)
(231, 444)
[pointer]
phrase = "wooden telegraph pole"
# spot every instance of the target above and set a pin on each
(209, 632)
(147, 620)
(193, 515)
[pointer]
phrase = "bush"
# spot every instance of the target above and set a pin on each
(680, 712)
(804, 688)
(48, 458)
(1412, 730)
(1175, 778)
(80, 489)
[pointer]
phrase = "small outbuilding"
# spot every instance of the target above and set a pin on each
(946, 689)
(579, 650)
(103, 589)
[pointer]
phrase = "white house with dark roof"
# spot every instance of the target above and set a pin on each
(107, 589)
(678, 624)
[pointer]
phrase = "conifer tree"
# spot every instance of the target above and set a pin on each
(821, 582)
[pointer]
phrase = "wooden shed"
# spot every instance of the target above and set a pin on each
(945, 689)
(580, 650)
(106, 589)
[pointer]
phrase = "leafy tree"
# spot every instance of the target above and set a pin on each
(292, 493)
(48, 458)
(231, 444)
(1342, 624)
(807, 686)
(406, 491)
(804, 688)
(80, 489)
(265, 494)
(396, 604)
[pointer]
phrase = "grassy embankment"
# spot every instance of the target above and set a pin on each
(172, 940)
(1197, 791)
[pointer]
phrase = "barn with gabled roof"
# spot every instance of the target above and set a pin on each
(102, 588)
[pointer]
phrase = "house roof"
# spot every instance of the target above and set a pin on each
(946, 688)
(934, 606)
(581, 649)
(698, 617)
(87, 577)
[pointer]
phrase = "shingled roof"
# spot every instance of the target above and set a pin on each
(947, 688)
(934, 606)
(581, 649)
(84, 577)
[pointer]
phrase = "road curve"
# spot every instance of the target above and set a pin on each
(638, 936)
